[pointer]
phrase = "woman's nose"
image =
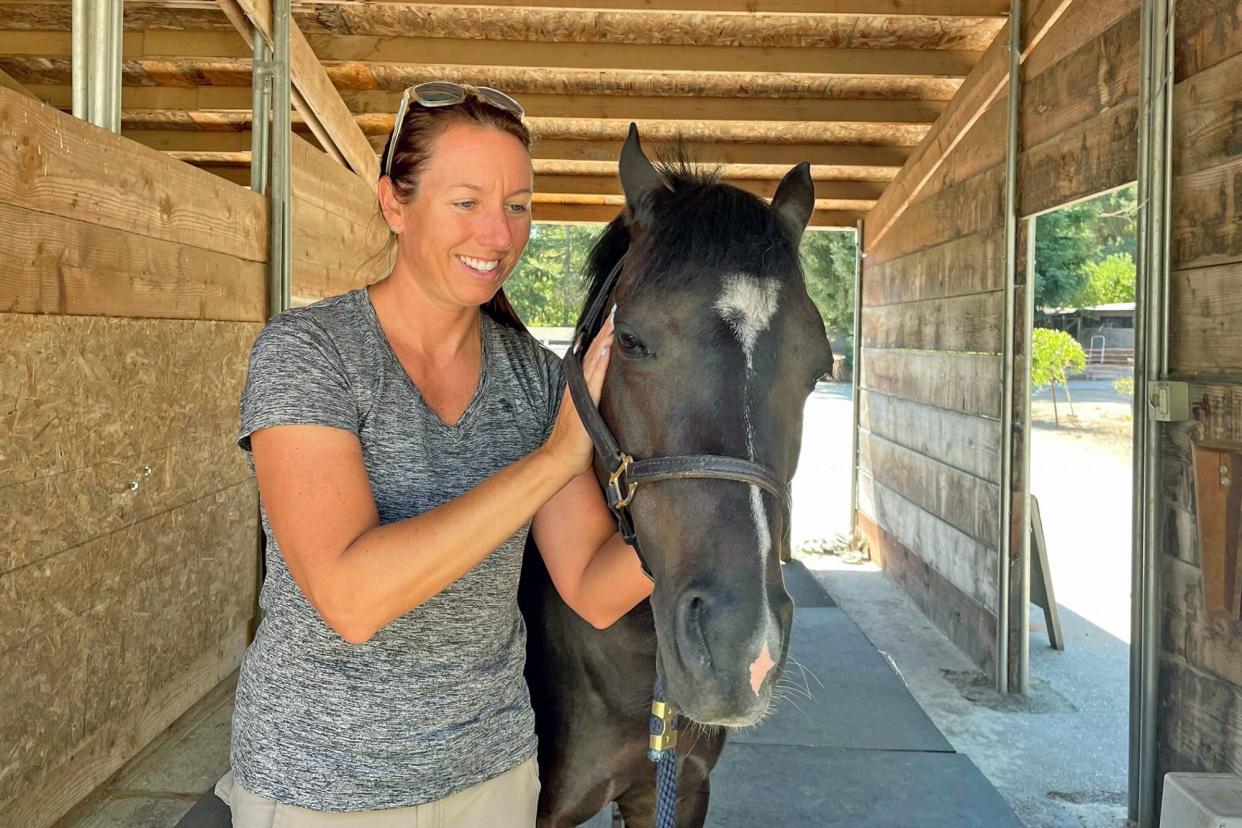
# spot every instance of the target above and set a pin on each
(495, 231)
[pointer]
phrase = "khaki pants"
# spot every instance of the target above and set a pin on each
(510, 799)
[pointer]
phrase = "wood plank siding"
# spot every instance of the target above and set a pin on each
(1200, 685)
(132, 288)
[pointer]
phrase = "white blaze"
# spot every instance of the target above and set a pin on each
(747, 304)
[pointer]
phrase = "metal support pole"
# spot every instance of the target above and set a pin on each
(116, 31)
(1005, 547)
(260, 108)
(856, 374)
(80, 34)
(281, 283)
(98, 28)
(1151, 355)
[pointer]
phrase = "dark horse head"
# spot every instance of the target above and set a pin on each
(717, 347)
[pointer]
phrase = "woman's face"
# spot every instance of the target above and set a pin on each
(469, 220)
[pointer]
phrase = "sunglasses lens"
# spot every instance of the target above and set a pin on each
(439, 93)
(499, 99)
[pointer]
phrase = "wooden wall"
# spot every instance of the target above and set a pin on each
(933, 301)
(339, 238)
(1200, 685)
(931, 390)
(132, 287)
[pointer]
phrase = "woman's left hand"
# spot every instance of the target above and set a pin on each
(569, 441)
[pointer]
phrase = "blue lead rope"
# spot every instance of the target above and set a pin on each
(662, 750)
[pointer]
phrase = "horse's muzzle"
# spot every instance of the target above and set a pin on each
(719, 647)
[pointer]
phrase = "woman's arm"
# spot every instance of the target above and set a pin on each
(360, 575)
(596, 573)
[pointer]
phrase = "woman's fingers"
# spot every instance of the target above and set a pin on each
(596, 363)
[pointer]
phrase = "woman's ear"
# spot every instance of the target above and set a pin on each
(391, 206)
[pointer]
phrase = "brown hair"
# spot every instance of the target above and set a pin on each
(422, 125)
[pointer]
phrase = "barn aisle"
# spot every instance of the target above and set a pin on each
(858, 752)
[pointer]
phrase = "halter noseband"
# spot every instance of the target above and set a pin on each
(626, 473)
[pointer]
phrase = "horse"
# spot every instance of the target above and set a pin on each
(717, 346)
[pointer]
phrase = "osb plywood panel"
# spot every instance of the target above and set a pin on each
(90, 403)
(51, 264)
(91, 632)
(55, 163)
(107, 750)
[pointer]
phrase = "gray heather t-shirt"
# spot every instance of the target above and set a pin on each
(435, 702)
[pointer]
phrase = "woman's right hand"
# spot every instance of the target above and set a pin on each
(569, 441)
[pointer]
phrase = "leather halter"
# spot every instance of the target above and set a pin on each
(627, 473)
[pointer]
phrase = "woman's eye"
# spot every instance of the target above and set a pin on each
(467, 204)
(517, 208)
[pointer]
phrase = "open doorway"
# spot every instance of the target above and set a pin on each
(1081, 471)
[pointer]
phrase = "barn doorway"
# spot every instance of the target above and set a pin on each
(1081, 472)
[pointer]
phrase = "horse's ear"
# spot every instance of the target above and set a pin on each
(795, 199)
(638, 175)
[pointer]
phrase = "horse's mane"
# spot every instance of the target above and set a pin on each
(743, 230)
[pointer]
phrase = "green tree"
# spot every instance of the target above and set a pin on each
(828, 262)
(1108, 280)
(548, 286)
(1052, 354)
(1068, 240)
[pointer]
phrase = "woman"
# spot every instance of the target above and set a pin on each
(404, 437)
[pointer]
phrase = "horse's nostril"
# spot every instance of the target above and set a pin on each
(692, 614)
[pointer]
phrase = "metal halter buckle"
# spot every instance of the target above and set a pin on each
(614, 482)
(666, 739)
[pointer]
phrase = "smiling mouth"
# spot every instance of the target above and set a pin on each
(482, 267)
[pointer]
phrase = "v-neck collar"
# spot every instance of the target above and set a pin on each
(476, 401)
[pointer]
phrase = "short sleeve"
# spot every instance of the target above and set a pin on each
(296, 376)
(554, 371)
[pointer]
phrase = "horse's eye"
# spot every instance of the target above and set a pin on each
(630, 343)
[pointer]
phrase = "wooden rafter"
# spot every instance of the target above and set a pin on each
(315, 97)
(521, 81)
(910, 62)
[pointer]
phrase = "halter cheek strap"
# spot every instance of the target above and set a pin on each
(625, 473)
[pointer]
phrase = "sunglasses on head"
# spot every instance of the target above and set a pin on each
(446, 93)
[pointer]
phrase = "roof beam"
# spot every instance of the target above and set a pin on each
(6, 81)
(635, 107)
(316, 98)
(521, 81)
(909, 62)
(933, 8)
